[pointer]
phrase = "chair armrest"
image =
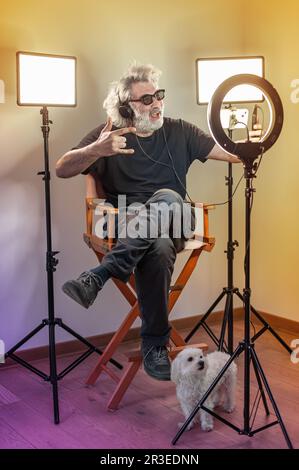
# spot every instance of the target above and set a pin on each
(203, 205)
(201, 231)
(100, 205)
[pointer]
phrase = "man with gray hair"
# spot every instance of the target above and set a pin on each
(145, 156)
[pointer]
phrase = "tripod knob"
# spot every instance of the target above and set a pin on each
(228, 180)
(52, 261)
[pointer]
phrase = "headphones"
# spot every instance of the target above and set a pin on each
(125, 110)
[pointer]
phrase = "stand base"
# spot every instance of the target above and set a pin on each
(53, 378)
(227, 323)
(264, 389)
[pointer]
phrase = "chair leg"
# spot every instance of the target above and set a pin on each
(134, 365)
(113, 344)
(176, 337)
(123, 385)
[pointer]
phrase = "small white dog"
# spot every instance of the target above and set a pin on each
(193, 373)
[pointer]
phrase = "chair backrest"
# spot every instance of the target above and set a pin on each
(94, 188)
(95, 206)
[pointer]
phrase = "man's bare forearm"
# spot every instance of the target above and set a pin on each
(217, 153)
(75, 161)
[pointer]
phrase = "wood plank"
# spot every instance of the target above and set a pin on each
(10, 439)
(6, 397)
(39, 431)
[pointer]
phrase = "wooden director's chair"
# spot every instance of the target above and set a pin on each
(201, 242)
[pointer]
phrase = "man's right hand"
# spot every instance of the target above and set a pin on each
(109, 143)
(112, 142)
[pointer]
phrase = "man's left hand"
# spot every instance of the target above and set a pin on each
(233, 159)
(217, 153)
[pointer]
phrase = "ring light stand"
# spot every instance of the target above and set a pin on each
(248, 152)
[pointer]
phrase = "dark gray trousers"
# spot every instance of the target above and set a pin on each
(152, 260)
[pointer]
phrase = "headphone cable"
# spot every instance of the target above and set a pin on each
(165, 164)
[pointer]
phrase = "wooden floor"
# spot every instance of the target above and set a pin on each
(149, 413)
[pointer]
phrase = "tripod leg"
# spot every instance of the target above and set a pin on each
(260, 385)
(246, 409)
(25, 339)
(267, 327)
(230, 325)
(270, 329)
(224, 321)
(53, 371)
(206, 315)
(84, 341)
(267, 387)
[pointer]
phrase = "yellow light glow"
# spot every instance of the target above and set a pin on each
(212, 72)
(46, 80)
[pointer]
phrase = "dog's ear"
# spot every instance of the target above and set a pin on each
(175, 370)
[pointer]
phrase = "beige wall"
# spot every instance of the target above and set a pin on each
(105, 37)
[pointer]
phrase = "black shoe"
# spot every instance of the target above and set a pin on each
(84, 289)
(156, 362)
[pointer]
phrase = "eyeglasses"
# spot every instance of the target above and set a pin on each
(148, 99)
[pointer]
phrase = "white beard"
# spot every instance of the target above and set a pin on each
(143, 123)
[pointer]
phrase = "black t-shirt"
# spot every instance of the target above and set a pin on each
(139, 175)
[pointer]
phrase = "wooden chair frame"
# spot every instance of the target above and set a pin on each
(201, 242)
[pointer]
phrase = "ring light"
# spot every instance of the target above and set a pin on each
(245, 150)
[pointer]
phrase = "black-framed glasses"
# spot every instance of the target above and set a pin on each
(148, 99)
